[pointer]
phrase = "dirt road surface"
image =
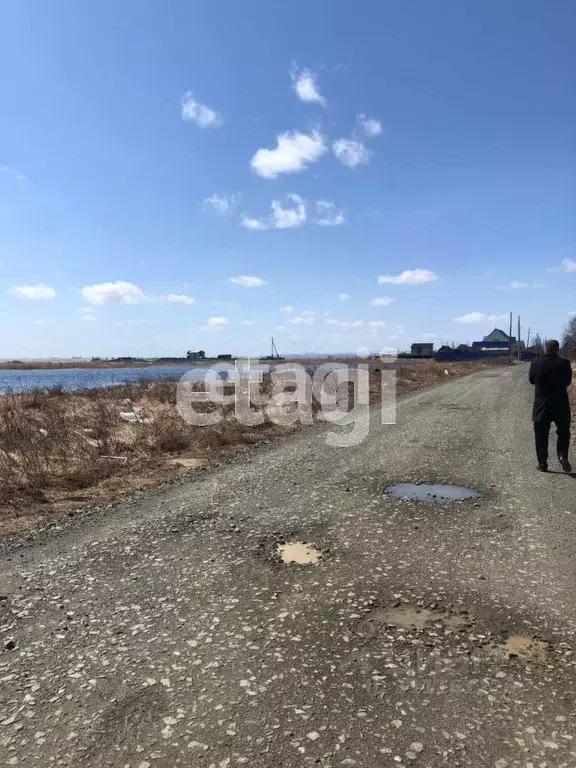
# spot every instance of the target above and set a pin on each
(166, 631)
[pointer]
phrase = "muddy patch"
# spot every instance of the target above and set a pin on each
(430, 492)
(522, 647)
(298, 553)
(298, 545)
(412, 617)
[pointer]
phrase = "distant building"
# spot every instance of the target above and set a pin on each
(200, 355)
(497, 342)
(224, 357)
(425, 349)
(498, 335)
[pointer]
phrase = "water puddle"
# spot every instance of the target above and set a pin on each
(430, 492)
(410, 617)
(527, 648)
(299, 553)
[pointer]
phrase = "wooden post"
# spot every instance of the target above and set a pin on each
(518, 341)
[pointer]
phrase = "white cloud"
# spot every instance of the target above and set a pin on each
(344, 323)
(409, 277)
(293, 153)
(119, 292)
(256, 225)
(569, 265)
(178, 298)
(381, 301)
(351, 152)
(215, 324)
(295, 214)
(344, 296)
(288, 309)
(194, 112)
(12, 172)
(32, 292)
(515, 285)
(289, 218)
(477, 317)
(248, 281)
(221, 205)
(370, 125)
(304, 83)
(304, 318)
(376, 324)
(327, 215)
(247, 322)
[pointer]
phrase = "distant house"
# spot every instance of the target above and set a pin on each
(498, 335)
(200, 355)
(497, 343)
(424, 349)
(224, 357)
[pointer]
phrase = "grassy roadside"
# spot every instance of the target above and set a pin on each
(59, 450)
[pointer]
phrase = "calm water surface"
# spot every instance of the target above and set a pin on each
(78, 378)
(82, 378)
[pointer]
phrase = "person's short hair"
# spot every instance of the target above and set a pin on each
(552, 347)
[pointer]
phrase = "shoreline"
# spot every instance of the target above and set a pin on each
(46, 365)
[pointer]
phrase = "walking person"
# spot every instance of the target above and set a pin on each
(551, 376)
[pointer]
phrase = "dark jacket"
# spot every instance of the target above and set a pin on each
(551, 375)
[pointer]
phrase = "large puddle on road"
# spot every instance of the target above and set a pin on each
(411, 617)
(299, 553)
(430, 492)
(524, 647)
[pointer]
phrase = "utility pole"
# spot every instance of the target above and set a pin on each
(510, 341)
(528, 338)
(518, 341)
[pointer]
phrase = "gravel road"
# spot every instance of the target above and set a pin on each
(166, 631)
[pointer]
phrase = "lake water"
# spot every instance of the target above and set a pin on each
(78, 378)
(83, 378)
(89, 378)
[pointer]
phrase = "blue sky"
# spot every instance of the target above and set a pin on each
(150, 152)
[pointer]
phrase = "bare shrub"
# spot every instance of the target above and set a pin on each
(166, 433)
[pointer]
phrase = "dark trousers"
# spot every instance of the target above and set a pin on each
(542, 432)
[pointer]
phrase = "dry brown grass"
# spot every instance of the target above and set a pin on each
(59, 449)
